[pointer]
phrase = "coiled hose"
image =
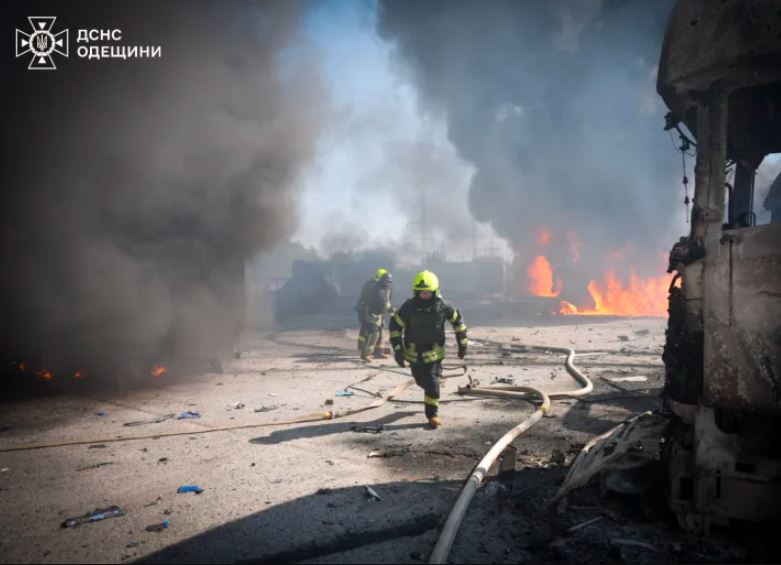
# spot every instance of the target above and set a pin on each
(456, 516)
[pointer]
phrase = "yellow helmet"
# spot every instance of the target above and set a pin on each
(426, 280)
(379, 274)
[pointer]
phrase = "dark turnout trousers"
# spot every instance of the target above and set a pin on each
(427, 376)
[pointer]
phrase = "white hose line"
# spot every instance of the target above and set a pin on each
(455, 518)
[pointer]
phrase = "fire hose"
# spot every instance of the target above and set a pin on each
(450, 530)
(315, 417)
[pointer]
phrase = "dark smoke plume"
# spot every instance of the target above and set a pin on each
(554, 103)
(132, 191)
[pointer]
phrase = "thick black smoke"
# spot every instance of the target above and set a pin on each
(132, 191)
(554, 103)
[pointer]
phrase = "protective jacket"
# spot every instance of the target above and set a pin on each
(419, 328)
(375, 300)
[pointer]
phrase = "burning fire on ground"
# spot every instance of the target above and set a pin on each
(158, 371)
(611, 296)
(641, 297)
(541, 281)
(45, 374)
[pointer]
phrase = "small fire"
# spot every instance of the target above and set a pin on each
(567, 308)
(78, 375)
(544, 237)
(23, 367)
(158, 371)
(642, 297)
(45, 374)
(541, 279)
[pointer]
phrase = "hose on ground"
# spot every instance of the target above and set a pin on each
(315, 417)
(455, 518)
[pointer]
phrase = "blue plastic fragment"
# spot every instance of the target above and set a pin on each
(189, 415)
(345, 393)
(189, 488)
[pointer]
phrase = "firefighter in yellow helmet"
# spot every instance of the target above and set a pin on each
(417, 334)
(373, 304)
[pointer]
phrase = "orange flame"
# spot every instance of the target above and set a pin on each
(45, 374)
(23, 366)
(567, 308)
(78, 375)
(541, 279)
(158, 371)
(642, 297)
(544, 237)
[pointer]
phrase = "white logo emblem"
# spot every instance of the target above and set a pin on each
(42, 43)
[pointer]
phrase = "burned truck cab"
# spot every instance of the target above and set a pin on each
(720, 76)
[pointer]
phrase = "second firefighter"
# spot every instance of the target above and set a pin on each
(417, 334)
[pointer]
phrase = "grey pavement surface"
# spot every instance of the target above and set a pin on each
(298, 491)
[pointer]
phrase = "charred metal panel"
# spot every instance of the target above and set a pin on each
(735, 44)
(743, 341)
(726, 41)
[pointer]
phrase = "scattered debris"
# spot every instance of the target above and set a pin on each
(642, 332)
(633, 543)
(557, 457)
(5, 469)
(101, 414)
(154, 503)
(158, 527)
(582, 525)
(189, 488)
(95, 516)
(97, 446)
(94, 466)
(329, 462)
(631, 445)
(343, 393)
(236, 406)
(162, 461)
(328, 402)
(389, 453)
(503, 380)
(633, 379)
(131, 544)
(623, 338)
(156, 420)
(189, 415)
(265, 409)
(373, 496)
(368, 429)
(516, 339)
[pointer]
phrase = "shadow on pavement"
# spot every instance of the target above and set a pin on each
(332, 428)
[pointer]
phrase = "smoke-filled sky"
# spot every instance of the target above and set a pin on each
(381, 157)
(507, 117)
(133, 191)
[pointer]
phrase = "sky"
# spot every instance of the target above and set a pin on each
(352, 196)
(362, 190)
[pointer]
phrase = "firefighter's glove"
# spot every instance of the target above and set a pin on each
(461, 351)
(399, 355)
